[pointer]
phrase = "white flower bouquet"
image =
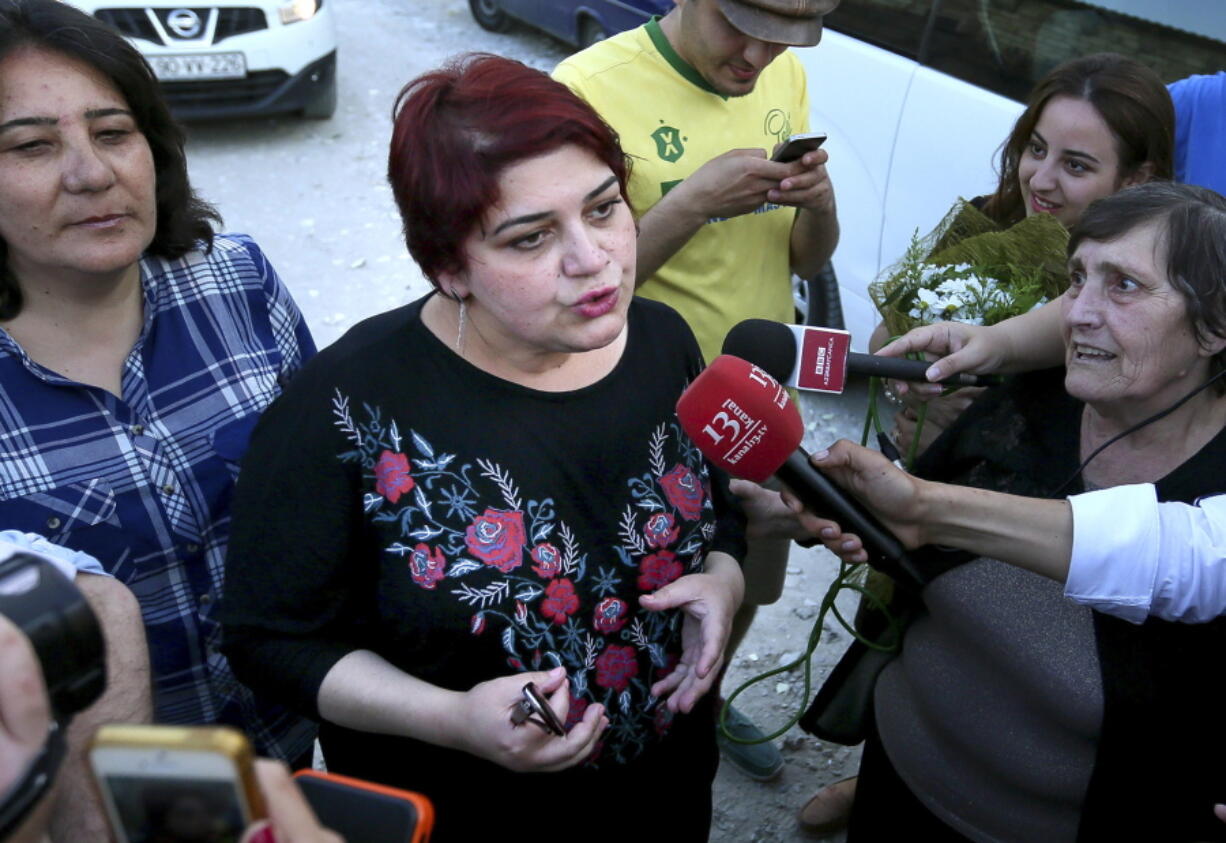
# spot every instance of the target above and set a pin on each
(968, 269)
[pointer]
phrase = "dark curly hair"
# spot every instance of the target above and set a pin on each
(184, 221)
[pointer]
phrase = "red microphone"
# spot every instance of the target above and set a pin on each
(741, 418)
(744, 422)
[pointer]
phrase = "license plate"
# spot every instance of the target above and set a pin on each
(202, 66)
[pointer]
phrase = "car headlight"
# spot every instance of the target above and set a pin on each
(298, 10)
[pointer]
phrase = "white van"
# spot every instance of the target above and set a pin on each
(918, 95)
(233, 58)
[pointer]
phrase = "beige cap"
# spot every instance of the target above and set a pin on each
(797, 23)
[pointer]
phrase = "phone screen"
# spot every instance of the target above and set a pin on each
(152, 809)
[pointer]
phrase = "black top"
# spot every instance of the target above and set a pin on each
(1158, 769)
(398, 499)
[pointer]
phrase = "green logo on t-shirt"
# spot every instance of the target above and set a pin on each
(777, 124)
(668, 143)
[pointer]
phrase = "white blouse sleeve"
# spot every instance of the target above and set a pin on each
(1134, 557)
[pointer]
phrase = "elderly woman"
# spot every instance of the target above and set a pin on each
(1011, 713)
(136, 349)
(489, 487)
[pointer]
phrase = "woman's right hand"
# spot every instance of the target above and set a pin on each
(894, 496)
(959, 348)
(487, 731)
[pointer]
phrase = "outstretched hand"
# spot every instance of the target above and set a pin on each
(708, 601)
(892, 495)
(959, 348)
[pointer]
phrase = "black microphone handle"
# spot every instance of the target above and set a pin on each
(903, 369)
(827, 500)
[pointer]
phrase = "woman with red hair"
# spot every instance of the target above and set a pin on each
(489, 487)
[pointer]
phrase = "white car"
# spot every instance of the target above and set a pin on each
(233, 58)
(918, 95)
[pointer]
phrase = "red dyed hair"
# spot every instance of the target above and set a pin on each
(457, 128)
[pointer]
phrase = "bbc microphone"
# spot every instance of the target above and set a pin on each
(743, 421)
(819, 359)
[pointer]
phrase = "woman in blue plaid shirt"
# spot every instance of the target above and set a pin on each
(137, 349)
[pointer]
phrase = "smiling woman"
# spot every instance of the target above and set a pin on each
(1093, 125)
(490, 488)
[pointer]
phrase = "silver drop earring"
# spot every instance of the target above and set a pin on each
(459, 340)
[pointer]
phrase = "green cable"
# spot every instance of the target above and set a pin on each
(841, 583)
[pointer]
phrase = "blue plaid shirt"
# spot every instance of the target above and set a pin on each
(144, 482)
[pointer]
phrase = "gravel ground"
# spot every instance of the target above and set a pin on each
(314, 195)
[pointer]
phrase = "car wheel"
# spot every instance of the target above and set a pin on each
(590, 32)
(817, 299)
(324, 104)
(489, 15)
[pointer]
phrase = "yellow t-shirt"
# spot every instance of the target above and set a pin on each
(672, 122)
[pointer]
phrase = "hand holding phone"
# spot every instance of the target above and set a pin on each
(176, 782)
(535, 709)
(809, 188)
(797, 145)
(483, 723)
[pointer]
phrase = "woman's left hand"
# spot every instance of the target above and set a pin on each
(708, 600)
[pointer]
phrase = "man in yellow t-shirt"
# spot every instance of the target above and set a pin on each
(700, 98)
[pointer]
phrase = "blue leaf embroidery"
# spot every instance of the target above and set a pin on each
(422, 445)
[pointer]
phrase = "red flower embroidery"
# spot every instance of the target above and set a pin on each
(497, 538)
(610, 615)
(658, 570)
(427, 566)
(684, 491)
(548, 560)
(660, 530)
(477, 625)
(392, 476)
(560, 601)
(615, 667)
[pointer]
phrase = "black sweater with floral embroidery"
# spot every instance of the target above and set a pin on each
(400, 500)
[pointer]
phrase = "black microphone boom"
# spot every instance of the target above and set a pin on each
(903, 369)
(774, 347)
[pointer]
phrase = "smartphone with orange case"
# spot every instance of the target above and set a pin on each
(361, 810)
